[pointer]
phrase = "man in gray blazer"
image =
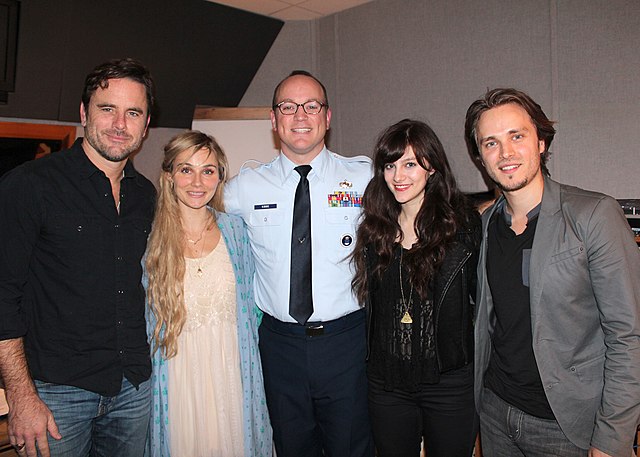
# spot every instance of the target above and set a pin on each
(558, 325)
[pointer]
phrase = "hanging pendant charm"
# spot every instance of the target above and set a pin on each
(199, 272)
(406, 318)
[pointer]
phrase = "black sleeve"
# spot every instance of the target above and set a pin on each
(20, 221)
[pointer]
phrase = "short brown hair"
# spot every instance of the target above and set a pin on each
(300, 73)
(497, 97)
(119, 69)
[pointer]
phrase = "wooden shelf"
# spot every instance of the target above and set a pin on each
(6, 450)
(215, 113)
(65, 133)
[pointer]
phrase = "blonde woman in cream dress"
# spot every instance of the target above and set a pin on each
(208, 397)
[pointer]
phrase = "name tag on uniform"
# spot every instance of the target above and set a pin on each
(266, 206)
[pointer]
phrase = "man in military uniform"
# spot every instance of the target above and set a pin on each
(301, 210)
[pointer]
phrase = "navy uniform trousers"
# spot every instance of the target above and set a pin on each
(316, 386)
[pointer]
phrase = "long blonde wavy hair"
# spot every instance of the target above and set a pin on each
(165, 250)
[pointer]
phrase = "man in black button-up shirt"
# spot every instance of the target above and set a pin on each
(73, 347)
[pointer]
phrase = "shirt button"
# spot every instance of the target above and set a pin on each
(119, 322)
(120, 292)
(119, 258)
(79, 228)
(117, 226)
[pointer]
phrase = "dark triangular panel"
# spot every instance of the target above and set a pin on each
(199, 52)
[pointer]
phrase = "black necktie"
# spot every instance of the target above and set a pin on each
(300, 299)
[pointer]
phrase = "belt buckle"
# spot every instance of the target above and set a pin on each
(314, 330)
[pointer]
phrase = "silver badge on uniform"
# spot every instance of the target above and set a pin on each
(346, 240)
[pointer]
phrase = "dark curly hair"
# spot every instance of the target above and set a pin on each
(445, 210)
(118, 69)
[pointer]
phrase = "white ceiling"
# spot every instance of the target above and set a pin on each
(293, 10)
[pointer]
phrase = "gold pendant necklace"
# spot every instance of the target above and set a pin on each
(406, 317)
(198, 259)
(195, 243)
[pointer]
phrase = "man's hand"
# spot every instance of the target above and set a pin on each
(29, 417)
(29, 422)
(593, 452)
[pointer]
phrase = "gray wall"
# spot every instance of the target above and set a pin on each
(429, 59)
(148, 160)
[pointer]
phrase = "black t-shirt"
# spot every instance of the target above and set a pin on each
(403, 355)
(512, 373)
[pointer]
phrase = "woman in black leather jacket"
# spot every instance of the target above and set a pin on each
(415, 270)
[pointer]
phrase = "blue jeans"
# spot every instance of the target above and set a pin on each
(93, 425)
(506, 431)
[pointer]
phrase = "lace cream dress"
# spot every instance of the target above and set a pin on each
(205, 391)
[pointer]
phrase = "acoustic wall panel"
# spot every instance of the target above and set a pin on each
(199, 53)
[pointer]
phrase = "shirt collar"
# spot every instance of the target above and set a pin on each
(530, 215)
(80, 163)
(318, 166)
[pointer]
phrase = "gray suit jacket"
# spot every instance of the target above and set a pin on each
(585, 316)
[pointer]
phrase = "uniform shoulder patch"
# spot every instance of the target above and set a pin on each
(253, 164)
(354, 159)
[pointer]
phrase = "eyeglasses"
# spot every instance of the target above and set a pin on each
(291, 108)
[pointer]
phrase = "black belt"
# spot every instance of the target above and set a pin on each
(314, 329)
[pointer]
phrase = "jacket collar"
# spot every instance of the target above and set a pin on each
(544, 242)
(550, 197)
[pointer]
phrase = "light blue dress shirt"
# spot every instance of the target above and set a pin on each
(264, 196)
